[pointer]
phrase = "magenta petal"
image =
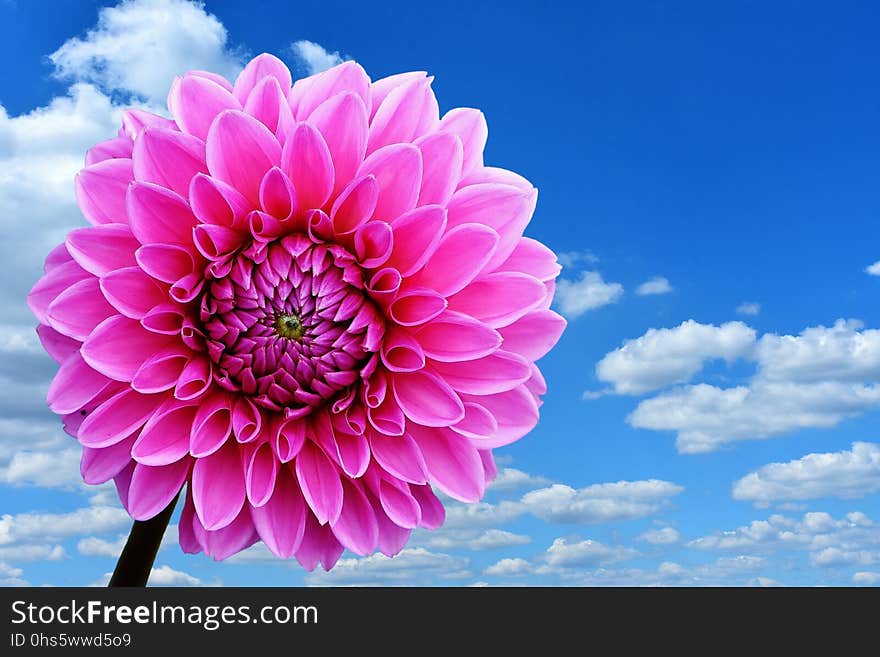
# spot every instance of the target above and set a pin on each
(240, 150)
(267, 102)
(433, 512)
(212, 425)
(401, 507)
(79, 309)
(454, 464)
(215, 202)
(120, 147)
(119, 346)
(58, 346)
(288, 439)
(281, 521)
(261, 470)
(195, 378)
(442, 155)
(165, 437)
(426, 398)
(453, 337)
(354, 205)
(260, 67)
(356, 526)
(158, 215)
(195, 101)
(354, 454)
(218, 487)
(100, 191)
(51, 285)
(161, 370)
(101, 249)
(459, 258)
(416, 235)
(469, 125)
(134, 121)
(168, 158)
(398, 172)
(497, 372)
(499, 299)
(117, 418)
(515, 411)
(186, 536)
(416, 307)
(478, 422)
(308, 163)
(396, 119)
(319, 545)
(153, 488)
(247, 420)
(74, 386)
(381, 88)
(233, 538)
(132, 292)
(533, 334)
(342, 121)
(531, 257)
(99, 465)
(320, 483)
(348, 76)
(399, 456)
(401, 352)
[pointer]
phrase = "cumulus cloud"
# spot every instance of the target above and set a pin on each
(487, 539)
(32, 552)
(575, 258)
(411, 567)
(599, 503)
(511, 478)
(590, 291)
(93, 546)
(873, 270)
(32, 527)
(660, 536)
(564, 553)
(662, 357)
(866, 578)
(845, 474)
(748, 308)
(138, 46)
(12, 576)
(509, 568)
(166, 576)
(656, 285)
(313, 57)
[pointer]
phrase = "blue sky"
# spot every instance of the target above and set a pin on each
(728, 431)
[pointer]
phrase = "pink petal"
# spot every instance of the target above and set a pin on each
(195, 101)
(233, 538)
(533, 334)
(281, 521)
(399, 456)
(277, 195)
(533, 258)
(247, 420)
(354, 205)
(392, 538)
(459, 258)
(387, 418)
(153, 488)
(489, 467)
(416, 307)
(498, 372)
(401, 507)
(218, 487)
(79, 309)
(499, 299)
(400, 113)
(168, 158)
(515, 411)
(433, 512)
(342, 121)
(348, 76)
(239, 151)
(120, 147)
(416, 236)
(99, 465)
(134, 121)
(442, 154)
(381, 88)
(320, 483)
(318, 546)
(453, 337)
(261, 470)
(484, 174)
(100, 191)
(159, 216)
(307, 161)
(215, 242)
(74, 386)
(58, 346)
(211, 426)
(195, 379)
(268, 104)
(469, 125)
(132, 292)
(51, 285)
(478, 422)
(373, 243)
(260, 67)
(117, 418)
(426, 398)
(119, 346)
(164, 318)
(165, 437)
(356, 526)
(101, 249)
(354, 454)
(398, 171)
(454, 464)
(215, 202)
(160, 371)
(401, 352)
(289, 438)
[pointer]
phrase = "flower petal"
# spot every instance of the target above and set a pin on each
(165, 437)
(261, 470)
(168, 158)
(399, 456)
(469, 125)
(320, 483)
(100, 190)
(499, 299)
(516, 412)
(307, 161)
(497, 372)
(158, 215)
(100, 465)
(153, 488)
(356, 526)
(74, 386)
(281, 521)
(533, 334)
(132, 291)
(398, 171)
(218, 487)
(342, 121)
(354, 205)
(119, 346)
(117, 418)
(453, 337)
(258, 68)
(459, 258)
(311, 92)
(416, 235)
(426, 398)
(79, 309)
(454, 464)
(195, 101)
(101, 249)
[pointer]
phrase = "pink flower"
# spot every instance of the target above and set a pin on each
(310, 304)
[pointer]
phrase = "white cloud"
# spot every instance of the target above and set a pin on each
(11, 576)
(585, 554)
(511, 478)
(590, 291)
(873, 270)
(30, 527)
(411, 567)
(660, 536)
(707, 417)
(313, 57)
(662, 357)
(656, 285)
(846, 474)
(571, 259)
(139, 46)
(19, 553)
(166, 576)
(600, 503)
(44, 469)
(509, 568)
(866, 578)
(488, 539)
(92, 546)
(748, 308)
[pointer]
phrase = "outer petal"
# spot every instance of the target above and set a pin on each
(168, 158)
(533, 334)
(442, 155)
(398, 171)
(356, 527)
(218, 487)
(497, 372)
(261, 66)
(119, 346)
(153, 488)
(454, 337)
(117, 418)
(100, 190)
(281, 521)
(159, 216)
(79, 309)
(499, 299)
(195, 101)
(309, 165)
(458, 259)
(399, 456)
(469, 125)
(342, 121)
(308, 94)
(101, 249)
(416, 236)
(320, 483)
(454, 464)
(165, 437)
(426, 398)
(516, 412)
(74, 386)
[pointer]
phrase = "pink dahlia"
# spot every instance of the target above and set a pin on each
(311, 304)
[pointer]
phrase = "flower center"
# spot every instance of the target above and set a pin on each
(287, 323)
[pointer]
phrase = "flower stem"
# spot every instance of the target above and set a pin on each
(139, 553)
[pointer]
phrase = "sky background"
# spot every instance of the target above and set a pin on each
(708, 173)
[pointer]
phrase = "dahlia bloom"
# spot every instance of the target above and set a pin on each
(311, 304)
